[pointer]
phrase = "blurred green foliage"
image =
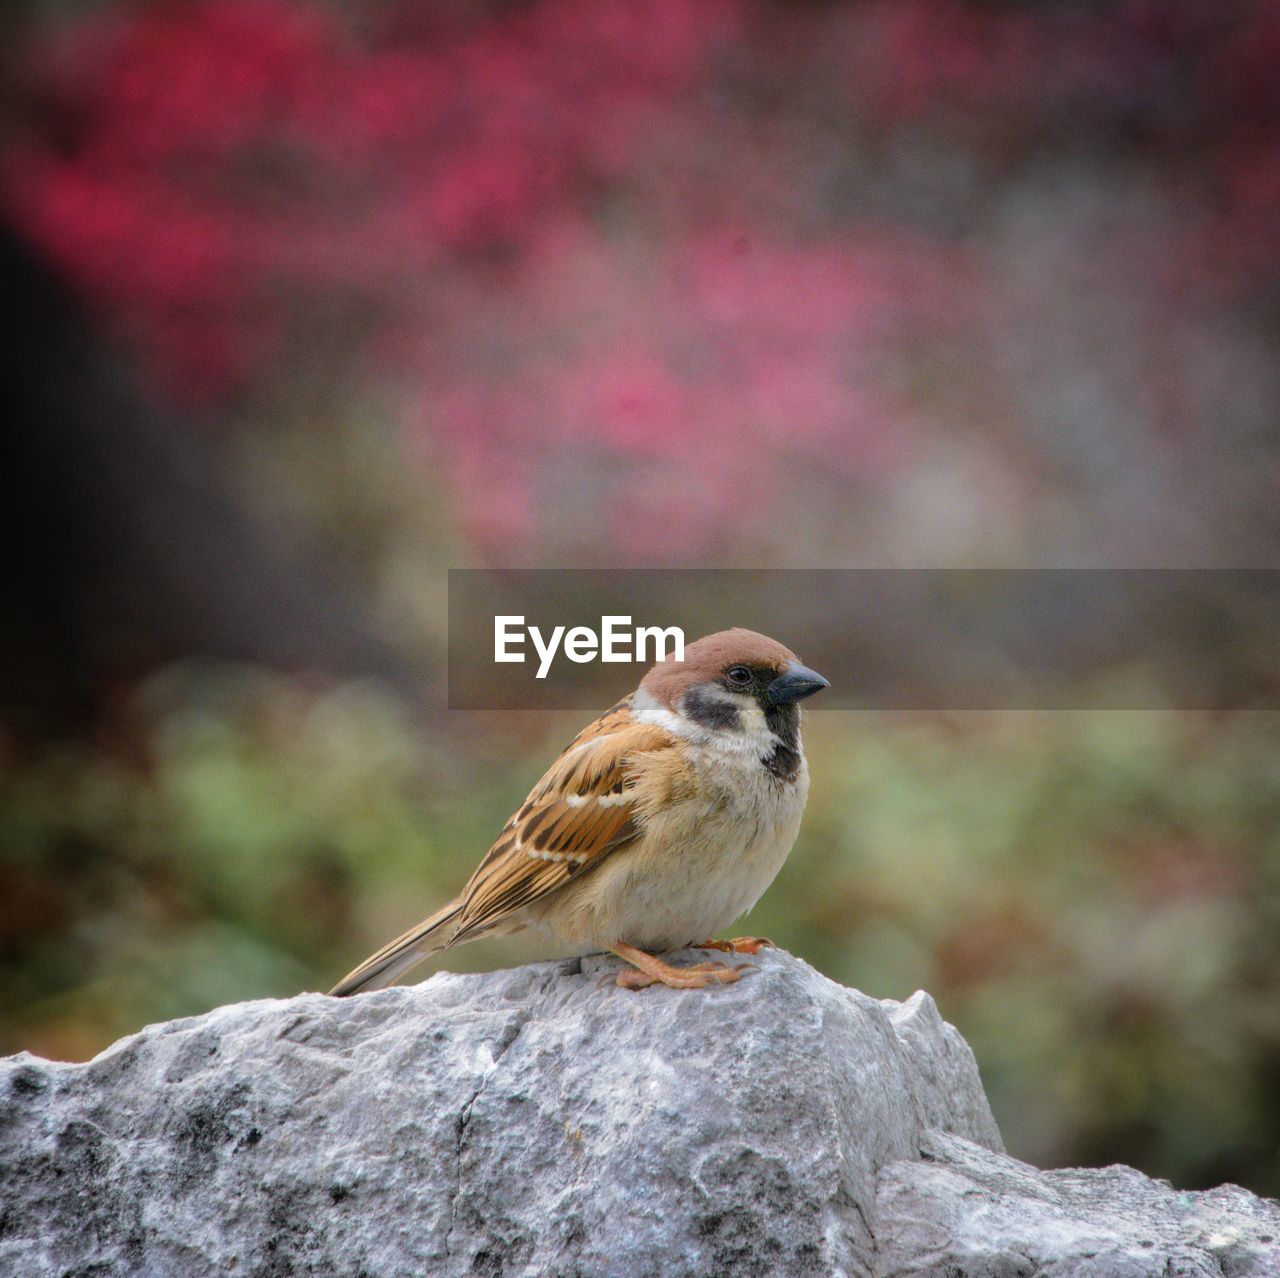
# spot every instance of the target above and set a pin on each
(1093, 898)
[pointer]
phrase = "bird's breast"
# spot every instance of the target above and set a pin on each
(701, 861)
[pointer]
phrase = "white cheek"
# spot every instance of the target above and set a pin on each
(752, 738)
(753, 735)
(752, 717)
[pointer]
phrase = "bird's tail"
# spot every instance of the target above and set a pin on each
(379, 970)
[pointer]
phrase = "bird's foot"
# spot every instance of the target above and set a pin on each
(739, 945)
(696, 977)
(648, 970)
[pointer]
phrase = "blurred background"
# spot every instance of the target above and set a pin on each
(305, 303)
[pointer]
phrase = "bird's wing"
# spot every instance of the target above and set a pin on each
(583, 809)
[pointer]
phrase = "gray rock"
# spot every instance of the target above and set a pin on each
(532, 1122)
(963, 1210)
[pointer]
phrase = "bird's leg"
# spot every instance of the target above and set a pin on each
(653, 971)
(739, 945)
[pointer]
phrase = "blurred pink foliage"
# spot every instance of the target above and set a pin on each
(725, 353)
(211, 167)
(642, 240)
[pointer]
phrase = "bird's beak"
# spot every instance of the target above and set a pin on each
(795, 683)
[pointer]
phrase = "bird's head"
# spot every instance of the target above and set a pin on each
(734, 682)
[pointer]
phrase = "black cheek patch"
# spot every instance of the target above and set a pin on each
(708, 710)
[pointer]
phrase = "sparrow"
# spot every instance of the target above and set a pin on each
(659, 825)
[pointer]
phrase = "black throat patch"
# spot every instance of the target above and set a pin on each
(783, 761)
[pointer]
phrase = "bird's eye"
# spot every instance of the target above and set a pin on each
(739, 676)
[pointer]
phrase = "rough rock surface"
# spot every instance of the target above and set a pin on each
(963, 1210)
(532, 1122)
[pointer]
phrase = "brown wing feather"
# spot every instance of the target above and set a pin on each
(574, 817)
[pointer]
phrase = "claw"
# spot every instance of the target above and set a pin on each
(739, 945)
